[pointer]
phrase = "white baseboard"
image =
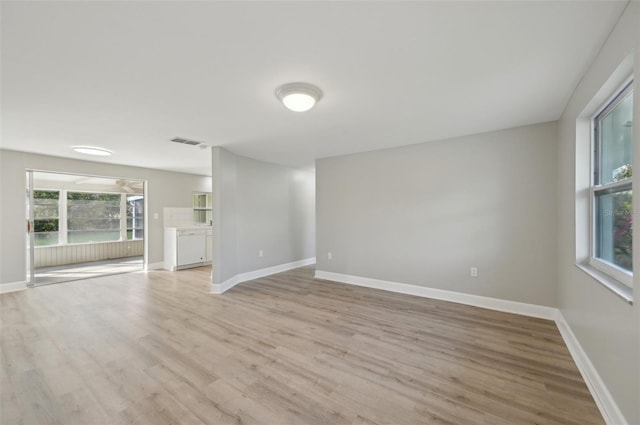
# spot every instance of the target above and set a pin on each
(12, 287)
(525, 309)
(219, 288)
(601, 395)
(154, 266)
(256, 274)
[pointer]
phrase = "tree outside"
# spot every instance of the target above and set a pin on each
(623, 222)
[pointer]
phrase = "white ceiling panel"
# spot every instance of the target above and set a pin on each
(130, 76)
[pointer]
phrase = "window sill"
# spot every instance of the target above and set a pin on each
(618, 288)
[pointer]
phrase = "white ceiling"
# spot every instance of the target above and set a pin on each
(129, 76)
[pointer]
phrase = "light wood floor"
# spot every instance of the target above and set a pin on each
(156, 348)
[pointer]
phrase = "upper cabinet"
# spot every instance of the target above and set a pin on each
(202, 207)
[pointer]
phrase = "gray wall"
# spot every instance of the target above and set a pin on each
(606, 326)
(165, 189)
(224, 215)
(424, 214)
(262, 206)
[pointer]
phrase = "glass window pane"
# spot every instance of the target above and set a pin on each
(45, 214)
(42, 226)
(78, 236)
(45, 210)
(48, 238)
(46, 194)
(614, 139)
(45, 204)
(93, 217)
(614, 228)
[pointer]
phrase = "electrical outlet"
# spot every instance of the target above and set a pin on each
(329, 256)
(156, 216)
(474, 272)
(260, 253)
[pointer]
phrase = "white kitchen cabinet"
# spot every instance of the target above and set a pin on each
(202, 207)
(186, 247)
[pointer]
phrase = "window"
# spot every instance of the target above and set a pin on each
(45, 214)
(93, 217)
(135, 217)
(67, 217)
(611, 189)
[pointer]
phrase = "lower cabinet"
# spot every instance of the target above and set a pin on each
(208, 254)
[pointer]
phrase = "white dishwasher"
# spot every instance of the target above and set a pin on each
(186, 247)
(191, 247)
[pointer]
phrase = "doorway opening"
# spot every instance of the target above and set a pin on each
(83, 226)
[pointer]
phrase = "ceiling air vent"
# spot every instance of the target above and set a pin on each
(185, 141)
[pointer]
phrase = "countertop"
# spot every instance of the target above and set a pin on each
(194, 227)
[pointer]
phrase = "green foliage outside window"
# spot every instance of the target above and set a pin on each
(623, 221)
(45, 215)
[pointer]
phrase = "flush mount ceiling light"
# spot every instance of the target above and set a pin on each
(298, 97)
(90, 150)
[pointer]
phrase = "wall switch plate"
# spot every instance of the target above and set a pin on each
(474, 272)
(156, 216)
(329, 256)
(260, 253)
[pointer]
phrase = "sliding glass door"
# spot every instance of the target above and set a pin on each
(83, 226)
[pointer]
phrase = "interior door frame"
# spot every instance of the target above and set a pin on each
(30, 237)
(31, 272)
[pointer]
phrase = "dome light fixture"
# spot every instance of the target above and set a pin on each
(299, 97)
(90, 150)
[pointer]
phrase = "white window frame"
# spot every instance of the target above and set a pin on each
(126, 224)
(618, 273)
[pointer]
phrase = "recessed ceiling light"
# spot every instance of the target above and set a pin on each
(90, 150)
(299, 97)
